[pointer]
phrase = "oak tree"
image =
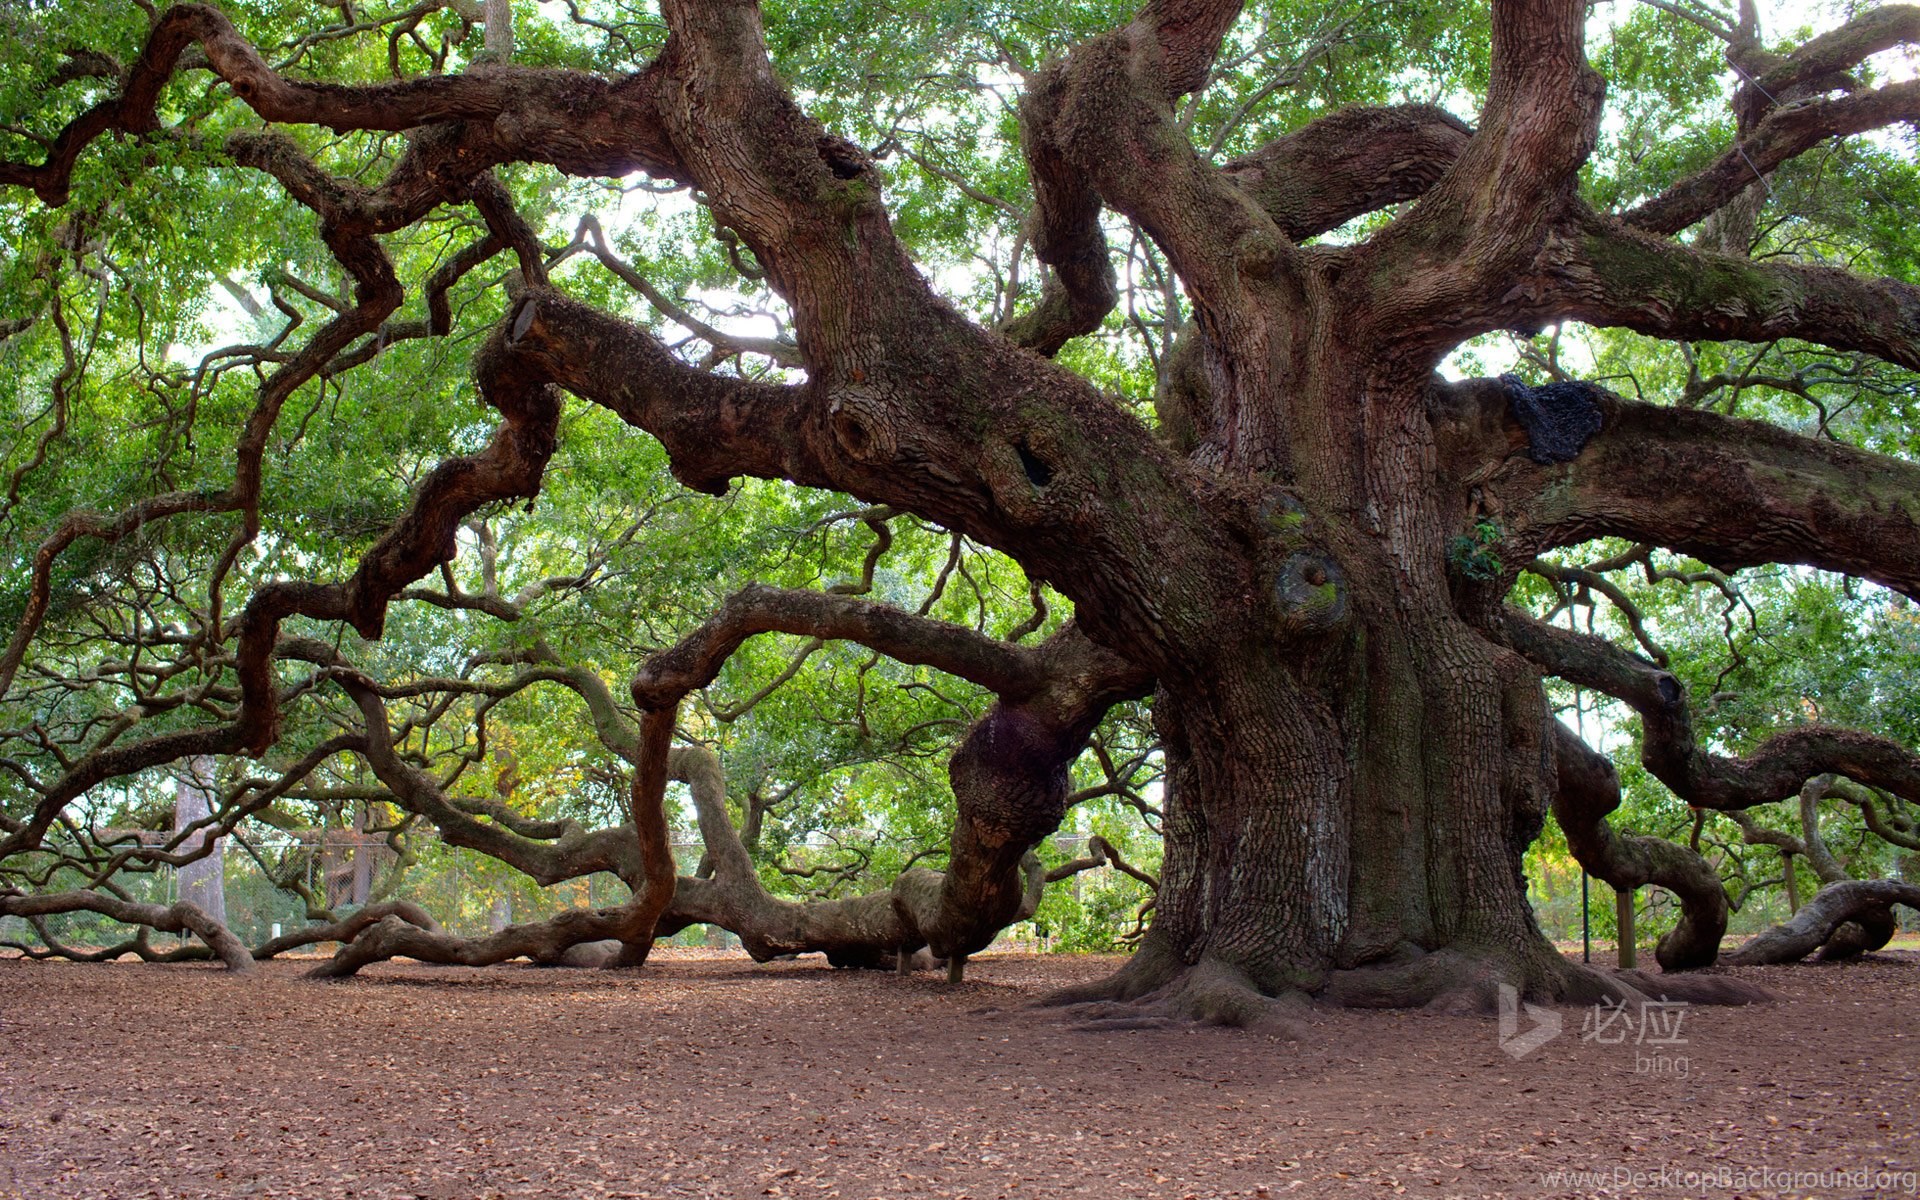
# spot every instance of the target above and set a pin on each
(1302, 556)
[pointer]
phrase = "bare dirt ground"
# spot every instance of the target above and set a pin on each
(713, 1077)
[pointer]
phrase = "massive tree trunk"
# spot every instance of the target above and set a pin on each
(1349, 794)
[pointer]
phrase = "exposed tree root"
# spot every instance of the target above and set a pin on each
(1211, 992)
(1460, 979)
(1850, 917)
(1152, 967)
(1697, 987)
(1153, 989)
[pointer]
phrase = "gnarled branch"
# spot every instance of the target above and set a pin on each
(1863, 901)
(1732, 492)
(181, 917)
(1774, 770)
(1588, 790)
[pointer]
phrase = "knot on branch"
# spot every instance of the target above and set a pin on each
(1009, 776)
(1560, 418)
(1670, 691)
(862, 419)
(1037, 471)
(1312, 594)
(843, 158)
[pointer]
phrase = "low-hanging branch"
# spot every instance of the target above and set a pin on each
(1588, 791)
(1818, 924)
(1008, 773)
(1774, 770)
(1732, 492)
(631, 923)
(965, 906)
(182, 916)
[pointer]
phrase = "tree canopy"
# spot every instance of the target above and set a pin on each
(1234, 427)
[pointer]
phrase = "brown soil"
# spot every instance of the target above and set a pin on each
(717, 1078)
